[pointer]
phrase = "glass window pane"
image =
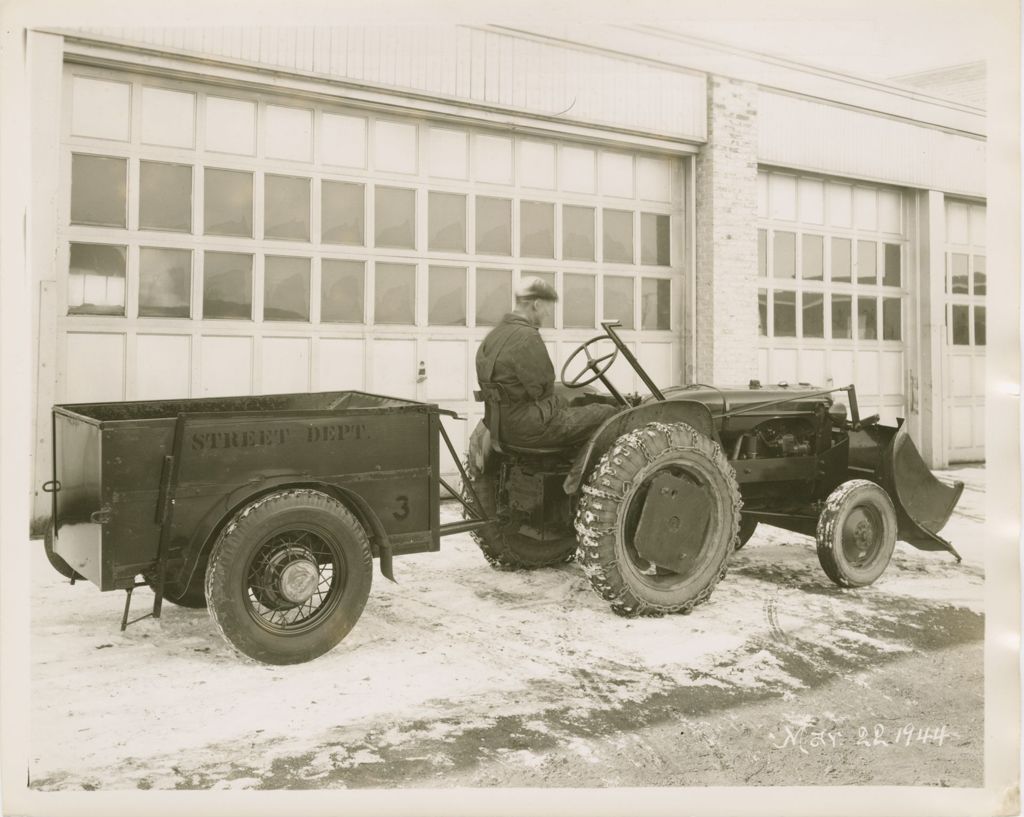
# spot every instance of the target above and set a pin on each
(493, 295)
(394, 296)
(96, 279)
(814, 315)
(841, 259)
(165, 196)
(762, 312)
(395, 216)
(655, 303)
(227, 285)
(892, 319)
(537, 229)
(342, 285)
(618, 299)
(286, 288)
(961, 328)
(762, 253)
(98, 190)
(549, 279)
(286, 207)
(578, 233)
(655, 240)
(227, 202)
(493, 225)
(842, 326)
(578, 301)
(812, 266)
(446, 221)
(867, 319)
(618, 236)
(892, 276)
(784, 308)
(341, 213)
(165, 283)
(958, 270)
(979, 275)
(784, 255)
(446, 296)
(979, 326)
(867, 262)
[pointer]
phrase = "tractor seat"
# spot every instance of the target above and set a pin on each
(492, 419)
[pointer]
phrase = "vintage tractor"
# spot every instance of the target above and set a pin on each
(665, 490)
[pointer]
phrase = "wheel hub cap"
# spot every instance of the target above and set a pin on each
(860, 534)
(298, 580)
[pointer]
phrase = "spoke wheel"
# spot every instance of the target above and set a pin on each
(294, 579)
(289, 576)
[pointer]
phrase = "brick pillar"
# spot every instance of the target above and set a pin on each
(726, 194)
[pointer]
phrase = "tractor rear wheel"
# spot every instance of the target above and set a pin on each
(690, 525)
(856, 533)
(502, 544)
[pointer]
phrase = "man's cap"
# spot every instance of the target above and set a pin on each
(535, 287)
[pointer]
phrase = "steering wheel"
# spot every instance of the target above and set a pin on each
(597, 365)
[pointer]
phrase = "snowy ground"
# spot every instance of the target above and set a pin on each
(463, 675)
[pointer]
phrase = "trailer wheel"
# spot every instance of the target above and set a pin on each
(612, 504)
(503, 546)
(289, 576)
(56, 562)
(856, 533)
(747, 528)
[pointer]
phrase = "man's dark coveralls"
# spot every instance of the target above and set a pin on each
(514, 356)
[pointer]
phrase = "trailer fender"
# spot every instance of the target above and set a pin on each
(209, 528)
(691, 412)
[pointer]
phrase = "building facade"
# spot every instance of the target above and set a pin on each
(259, 210)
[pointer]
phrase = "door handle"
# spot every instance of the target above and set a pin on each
(102, 516)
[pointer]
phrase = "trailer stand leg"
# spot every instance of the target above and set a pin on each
(127, 607)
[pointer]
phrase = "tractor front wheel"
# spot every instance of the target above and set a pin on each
(856, 533)
(658, 519)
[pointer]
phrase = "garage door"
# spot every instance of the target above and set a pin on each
(964, 363)
(223, 242)
(832, 295)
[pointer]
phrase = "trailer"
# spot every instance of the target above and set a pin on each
(267, 509)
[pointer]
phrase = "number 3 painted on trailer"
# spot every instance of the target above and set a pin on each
(403, 504)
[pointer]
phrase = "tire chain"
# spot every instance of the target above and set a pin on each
(588, 554)
(500, 561)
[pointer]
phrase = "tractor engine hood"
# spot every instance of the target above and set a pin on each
(726, 398)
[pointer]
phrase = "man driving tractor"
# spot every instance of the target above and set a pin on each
(514, 369)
